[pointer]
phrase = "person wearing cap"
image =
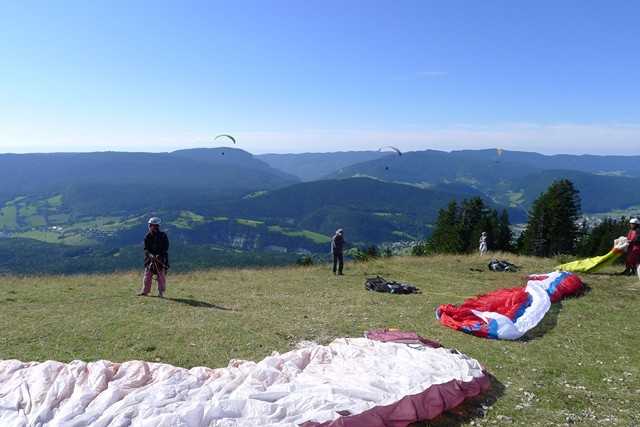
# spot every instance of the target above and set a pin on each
(633, 251)
(337, 247)
(156, 258)
(483, 243)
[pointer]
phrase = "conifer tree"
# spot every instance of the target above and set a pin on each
(472, 222)
(504, 234)
(446, 235)
(598, 240)
(552, 228)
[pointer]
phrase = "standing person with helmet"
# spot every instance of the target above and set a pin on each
(337, 248)
(156, 258)
(633, 251)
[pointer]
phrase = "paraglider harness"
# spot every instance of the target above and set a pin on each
(501, 265)
(380, 284)
(156, 265)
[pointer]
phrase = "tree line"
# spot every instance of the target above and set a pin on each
(554, 227)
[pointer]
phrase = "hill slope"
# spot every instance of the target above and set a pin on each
(113, 181)
(313, 166)
(512, 179)
(371, 210)
(604, 165)
(569, 368)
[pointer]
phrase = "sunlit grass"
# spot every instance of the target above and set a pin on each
(580, 366)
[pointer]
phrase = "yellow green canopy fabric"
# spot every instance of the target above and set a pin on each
(591, 265)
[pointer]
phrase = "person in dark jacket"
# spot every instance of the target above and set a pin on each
(156, 258)
(337, 247)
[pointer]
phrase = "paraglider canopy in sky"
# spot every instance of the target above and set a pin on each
(390, 149)
(224, 135)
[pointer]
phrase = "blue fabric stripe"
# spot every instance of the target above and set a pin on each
(554, 285)
(523, 307)
(493, 329)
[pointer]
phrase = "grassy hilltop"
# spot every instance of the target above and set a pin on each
(580, 366)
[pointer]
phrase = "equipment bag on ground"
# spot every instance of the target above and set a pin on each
(380, 284)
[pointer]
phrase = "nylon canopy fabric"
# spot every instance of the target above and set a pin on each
(591, 265)
(510, 313)
(354, 382)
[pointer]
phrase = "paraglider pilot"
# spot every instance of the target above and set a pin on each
(633, 251)
(156, 258)
(483, 243)
(337, 247)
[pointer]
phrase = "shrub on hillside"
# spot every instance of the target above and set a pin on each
(304, 260)
(363, 254)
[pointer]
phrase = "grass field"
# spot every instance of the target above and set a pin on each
(8, 217)
(581, 366)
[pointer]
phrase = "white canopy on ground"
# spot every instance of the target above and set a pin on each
(314, 383)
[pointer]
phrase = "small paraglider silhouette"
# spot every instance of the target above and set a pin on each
(384, 148)
(389, 148)
(224, 135)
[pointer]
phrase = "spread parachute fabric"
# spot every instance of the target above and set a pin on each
(350, 382)
(591, 265)
(510, 313)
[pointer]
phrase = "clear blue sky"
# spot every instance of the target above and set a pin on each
(285, 76)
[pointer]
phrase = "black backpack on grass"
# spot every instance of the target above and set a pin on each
(501, 265)
(380, 284)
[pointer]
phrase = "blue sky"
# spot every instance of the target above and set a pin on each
(285, 76)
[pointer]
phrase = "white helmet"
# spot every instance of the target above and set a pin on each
(155, 221)
(634, 221)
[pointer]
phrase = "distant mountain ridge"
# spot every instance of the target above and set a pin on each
(218, 201)
(137, 178)
(598, 164)
(314, 166)
(512, 178)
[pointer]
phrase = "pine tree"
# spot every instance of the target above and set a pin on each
(599, 239)
(552, 228)
(458, 227)
(446, 235)
(504, 234)
(473, 221)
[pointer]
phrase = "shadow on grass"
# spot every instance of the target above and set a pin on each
(470, 409)
(196, 303)
(550, 320)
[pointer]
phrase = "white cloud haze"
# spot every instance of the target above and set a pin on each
(570, 138)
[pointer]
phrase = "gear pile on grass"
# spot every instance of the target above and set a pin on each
(350, 382)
